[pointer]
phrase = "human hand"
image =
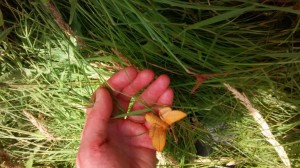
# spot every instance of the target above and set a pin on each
(108, 142)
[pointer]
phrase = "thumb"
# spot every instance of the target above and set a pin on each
(95, 129)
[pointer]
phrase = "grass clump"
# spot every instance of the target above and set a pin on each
(253, 46)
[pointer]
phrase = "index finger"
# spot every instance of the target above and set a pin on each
(122, 79)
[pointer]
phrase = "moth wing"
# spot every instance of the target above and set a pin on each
(152, 119)
(157, 132)
(171, 116)
(164, 110)
(158, 135)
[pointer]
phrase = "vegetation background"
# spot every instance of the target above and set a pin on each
(53, 54)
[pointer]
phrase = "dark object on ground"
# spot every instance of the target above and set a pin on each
(203, 149)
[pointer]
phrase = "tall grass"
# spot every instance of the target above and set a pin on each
(253, 46)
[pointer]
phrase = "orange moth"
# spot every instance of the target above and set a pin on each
(159, 125)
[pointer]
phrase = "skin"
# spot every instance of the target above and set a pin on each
(114, 143)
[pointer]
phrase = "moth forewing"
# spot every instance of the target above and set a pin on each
(172, 116)
(158, 135)
(164, 110)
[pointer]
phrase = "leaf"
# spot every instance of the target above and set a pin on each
(220, 17)
(29, 162)
(1, 18)
(133, 113)
(5, 33)
(73, 4)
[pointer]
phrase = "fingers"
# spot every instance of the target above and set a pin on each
(129, 82)
(158, 93)
(153, 92)
(142, 80)
(95, 129)
(166, 98)
(122, 79)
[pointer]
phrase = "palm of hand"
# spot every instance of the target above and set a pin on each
(130, 142)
